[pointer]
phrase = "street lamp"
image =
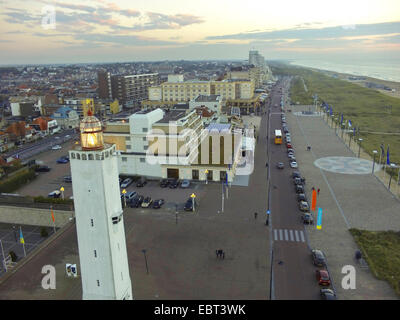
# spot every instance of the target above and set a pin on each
(124, 192)
(359, 146)
(62, 192)
(145, 260)
(373, 163)
(206, 172)
(193, 196)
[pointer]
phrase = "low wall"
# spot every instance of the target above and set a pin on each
(34, 216)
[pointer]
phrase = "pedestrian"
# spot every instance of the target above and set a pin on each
(267, 221)
(223, 255)
(216, 252)
(313, 189)
(266, 164)
(318, 191)
(255, 215)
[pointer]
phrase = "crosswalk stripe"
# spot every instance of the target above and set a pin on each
(289, 235)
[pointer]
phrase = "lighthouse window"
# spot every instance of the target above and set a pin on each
(97, 157)
(90, 156)
(78, 156)
(83, 156)
(73, 155)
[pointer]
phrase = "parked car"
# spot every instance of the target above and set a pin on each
(304, 206)
(285, 129)
(54, 194)
(158, 203)
(130, 195)
(42, 169)
(297, 181)
(323, 277)
(141, 182)
(136, 202)
(146, 202)
(327, 294)
(126, 183)
(296, 174)
(293, 164)
(307, 218)
(318, 258)
(185, 183)
(56, 147)
(67, 179)
(299, 188)
(290, 150)
(301, 197)
(280, 165)
(289, 140)
(174, 183)
(164, 183)
(292, 157)
(289, 145)
(189, 205)
(63, 160)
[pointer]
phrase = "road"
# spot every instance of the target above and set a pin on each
(29, 150)
(292, 268)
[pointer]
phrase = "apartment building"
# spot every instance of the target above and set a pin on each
(104, 82)
(234, 90)
(130, 90)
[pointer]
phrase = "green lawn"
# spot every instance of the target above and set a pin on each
(366, 108)
(381, 249)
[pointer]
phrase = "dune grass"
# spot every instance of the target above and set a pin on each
(366, 108)
(381, 249)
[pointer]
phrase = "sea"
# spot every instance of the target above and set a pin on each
(376, 69)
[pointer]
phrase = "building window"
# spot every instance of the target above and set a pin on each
(91, 223)
(145, 147)
(142, 160)
(73, 155)
(90, 156)
(98, 283)
(124, 159)
(144, 129)
(128, 138)
(84, 157)
(78, 156)
(128, 146)
(95, 253)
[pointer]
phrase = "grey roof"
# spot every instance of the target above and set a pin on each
(172, 115)
(204, 98)
(219, 126)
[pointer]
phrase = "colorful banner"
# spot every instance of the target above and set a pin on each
(319, 219)
(314, 200)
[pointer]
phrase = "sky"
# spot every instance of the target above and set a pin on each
(49, 31)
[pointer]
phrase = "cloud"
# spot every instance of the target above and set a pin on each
(315, 33)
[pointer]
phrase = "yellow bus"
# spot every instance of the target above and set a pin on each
(278, 137)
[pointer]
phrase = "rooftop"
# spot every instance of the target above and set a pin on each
(219, 126)
(172, 115)
(204, 98)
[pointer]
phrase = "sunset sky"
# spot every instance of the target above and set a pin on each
(112, 31)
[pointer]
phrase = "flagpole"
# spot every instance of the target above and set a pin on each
(4, 258)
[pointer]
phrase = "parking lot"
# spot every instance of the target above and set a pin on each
(174, 198)
(46, 182)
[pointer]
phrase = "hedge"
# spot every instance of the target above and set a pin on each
(16, 181)
(41, 199)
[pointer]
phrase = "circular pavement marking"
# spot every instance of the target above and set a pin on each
(346, 165)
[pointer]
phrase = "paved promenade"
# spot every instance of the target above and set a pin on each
(348, 199)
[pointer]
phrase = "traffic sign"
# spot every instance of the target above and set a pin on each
(268, 212)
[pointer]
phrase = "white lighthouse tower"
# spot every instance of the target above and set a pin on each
(99, 220)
